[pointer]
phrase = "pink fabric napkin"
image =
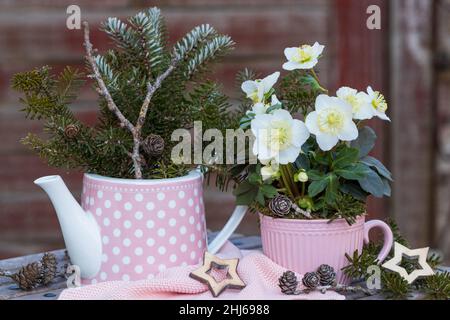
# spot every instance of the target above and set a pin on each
(258, 272)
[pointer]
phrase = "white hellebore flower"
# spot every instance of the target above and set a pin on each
(278, 137)
(261, 108)
(256, 89)
(378, 103)
(360, 102)
(331, 122)
(270, 170)
(304, 57)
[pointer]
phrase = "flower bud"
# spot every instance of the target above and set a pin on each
(301, 176)
(306, 203)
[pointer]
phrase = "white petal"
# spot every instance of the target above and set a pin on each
(281, 114)
(344, 92)
(259, 108)
(318, 49)
(311, 123)
(290, 53)
(326, 141)
(381, 115)
(289, 155)
(274, 100)
(343, 105)
(263, 153)
(370, 91)
(270, 81)
(249, 87)
(291, 65)
(261, 121)
(309, 65)
(365, 112)
(349, 132)
(300, 133)
(322, 101)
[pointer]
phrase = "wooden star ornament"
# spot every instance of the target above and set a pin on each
(232, 280)
(400, 251)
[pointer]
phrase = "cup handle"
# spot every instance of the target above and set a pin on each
(228, 229)
(388, 237)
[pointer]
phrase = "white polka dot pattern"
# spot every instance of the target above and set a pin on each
(146, 228)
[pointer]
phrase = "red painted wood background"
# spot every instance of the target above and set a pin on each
(33, 33)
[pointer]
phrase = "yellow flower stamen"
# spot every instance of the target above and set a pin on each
(280, 136)
(330, 121)
(379, 102)
(303, 55)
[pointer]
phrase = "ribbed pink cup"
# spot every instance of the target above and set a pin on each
(303, 245)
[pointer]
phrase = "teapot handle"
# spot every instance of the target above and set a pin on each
(228, 229)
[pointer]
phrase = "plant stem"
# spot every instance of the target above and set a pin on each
(287, 176)
(318, 81)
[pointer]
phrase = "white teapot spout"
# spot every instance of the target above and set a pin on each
(80, 230)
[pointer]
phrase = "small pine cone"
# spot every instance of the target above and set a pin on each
(327, 275)
(153, 145)
(288, 283)
(71, 131)
(311, 280)
(49, 267)
(28, 277)
(280, 205)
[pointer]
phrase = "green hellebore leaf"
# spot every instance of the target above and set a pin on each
(268, 191)
(273, 108)
(331, 192)
(314, 175)
(354, 189)
(381, 169)
(352, 172)
(309, 80)
(387, 187)
(365, 141)
(372, 183)
(302, 162)
(317, 187)
(345, 157)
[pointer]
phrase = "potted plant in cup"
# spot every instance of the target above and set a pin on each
(141, 213)
(313, 172)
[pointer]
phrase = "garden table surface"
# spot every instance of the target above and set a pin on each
(10, 291)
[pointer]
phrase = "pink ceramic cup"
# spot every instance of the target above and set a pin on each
(146, 226)
(303, 245)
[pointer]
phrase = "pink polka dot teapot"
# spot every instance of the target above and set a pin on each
(127, 229)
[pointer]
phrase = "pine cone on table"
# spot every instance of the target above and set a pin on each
(49, 268)
(28, 277)
(327, 275)
(288, 283)
(311, 280)
(280, 205)
(153, 145)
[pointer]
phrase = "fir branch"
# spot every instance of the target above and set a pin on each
(192, 40)
(212, 49)
(122, 34)
(394, 286)
(103, 89)
(437, 286)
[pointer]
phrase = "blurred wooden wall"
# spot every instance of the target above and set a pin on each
(398, 60)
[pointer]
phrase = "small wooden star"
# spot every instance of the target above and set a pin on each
(231, 281)
(399, 252)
